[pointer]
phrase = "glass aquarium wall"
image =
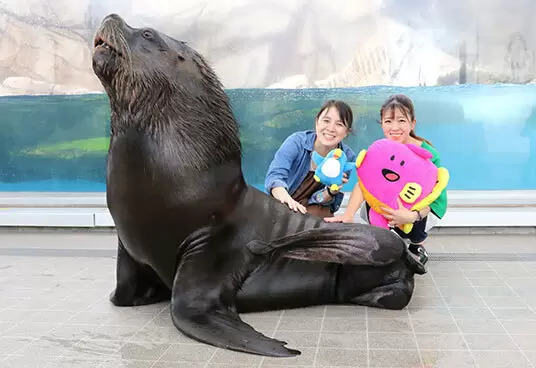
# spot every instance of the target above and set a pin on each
(470, 70)
(486, 134)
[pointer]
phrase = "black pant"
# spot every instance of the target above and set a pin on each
(417, 233)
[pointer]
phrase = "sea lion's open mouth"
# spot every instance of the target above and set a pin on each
(101, 42)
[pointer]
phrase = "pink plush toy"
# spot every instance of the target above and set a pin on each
(389, 170)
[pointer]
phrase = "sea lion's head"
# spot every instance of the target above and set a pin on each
(162, 86)
(143, 67)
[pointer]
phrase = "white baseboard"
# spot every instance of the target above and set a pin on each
(88, 210)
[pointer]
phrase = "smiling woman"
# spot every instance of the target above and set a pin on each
(290, 177)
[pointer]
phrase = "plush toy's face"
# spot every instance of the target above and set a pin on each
(392, 169)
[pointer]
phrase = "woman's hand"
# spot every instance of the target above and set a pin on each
(400, 216)
(342, 218)
(344, 181)
(282, 196)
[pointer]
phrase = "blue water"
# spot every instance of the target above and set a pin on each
(486, 134)
(53, 186)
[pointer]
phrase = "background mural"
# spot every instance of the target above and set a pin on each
(469, 66)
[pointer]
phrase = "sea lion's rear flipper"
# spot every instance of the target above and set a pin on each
(354, 244)
(394, 296)
(203, 300)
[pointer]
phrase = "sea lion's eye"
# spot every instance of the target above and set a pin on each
(148, 35)
(180, 56)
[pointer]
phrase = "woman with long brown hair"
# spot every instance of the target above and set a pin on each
(290, 177)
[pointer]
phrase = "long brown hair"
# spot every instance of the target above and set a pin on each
(405, 105)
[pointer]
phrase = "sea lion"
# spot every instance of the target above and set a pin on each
(190, 228)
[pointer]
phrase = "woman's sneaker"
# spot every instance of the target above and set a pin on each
(419, 252)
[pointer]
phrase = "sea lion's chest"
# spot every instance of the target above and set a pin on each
(157, 195)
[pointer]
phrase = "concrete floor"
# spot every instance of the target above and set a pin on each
(475, 307)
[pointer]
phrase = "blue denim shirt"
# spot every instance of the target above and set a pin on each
(292, 162)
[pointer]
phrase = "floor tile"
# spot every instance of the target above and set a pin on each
(333, 324)
(299, 339)
(488, 281)
(504, 302)
(210, 365)
(222, 356)
(522, 314)
(490, 342)
(73, 362)
(429, 313)
(157, 334)
(525, 342)
(31, 329)
(426, 291)
(397, 358)
(143, 350)
(193, 353)
(386, 313)
(489, 326)
(520, 327)
(392, 341)
(451, 291)
(434, 325)
(343, 340)
(473, 274)
(453, 280)
(27, 361)
(125, 363)
(493, 291)
(501, 359)
(465, 301)
(468, 312)
(346, 311)
(531, 356)
(447, 358)
(426, 302)
(11, 345)
(299, 324)
(446, 341)
(341, 357)
(96, 349)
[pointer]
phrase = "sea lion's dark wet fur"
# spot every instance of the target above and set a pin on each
(190, 228)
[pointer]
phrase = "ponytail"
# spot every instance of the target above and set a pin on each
(413, 135)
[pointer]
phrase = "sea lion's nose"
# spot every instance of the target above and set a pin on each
(113, 16)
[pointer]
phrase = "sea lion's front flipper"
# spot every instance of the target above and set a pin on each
(136, 284)
(354, 244)
(204, 294)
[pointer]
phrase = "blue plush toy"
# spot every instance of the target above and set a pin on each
(329, 169)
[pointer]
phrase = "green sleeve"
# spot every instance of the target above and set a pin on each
(439, 206)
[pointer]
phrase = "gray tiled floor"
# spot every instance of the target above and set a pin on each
(465, 312)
